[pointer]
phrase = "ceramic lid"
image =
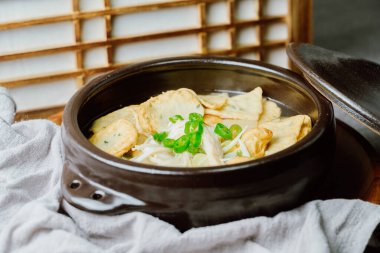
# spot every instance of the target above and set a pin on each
(350, 83)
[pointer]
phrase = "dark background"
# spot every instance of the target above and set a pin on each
(350, 26)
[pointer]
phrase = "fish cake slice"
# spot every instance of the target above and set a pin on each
(211, 120)
(135, 114)
(247, 106)
(271, 111)
(215, 101)
(117, 138)
(256, 140)
(160, 108)
(287, 131)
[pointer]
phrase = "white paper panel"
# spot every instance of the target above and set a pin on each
(37, 65)
(217, 13)
(250, 56)
(247, 36)
(278, 31)
(275, 7)
(93, 29)
(14, 10)
(43, 95)
(121, 3)
(157, 48)
(278, 57)
(95, 57)
(34, 37)
(155, 21)
(219, 40)
(246, 9)
(91, 5)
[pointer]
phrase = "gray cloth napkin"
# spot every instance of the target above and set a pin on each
(31, 160)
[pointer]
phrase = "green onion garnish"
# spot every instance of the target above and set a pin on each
(190, 141)
(160, 136)
(223, 131)
(168, 143)
(193, 127)
(195, 139)
(195, 117)
(181, 144)
(193, 150)
(235, 130)
(175, 118)
(239, 153)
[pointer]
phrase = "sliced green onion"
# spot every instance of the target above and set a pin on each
(235, 130)
(239, 153)
(223, 131)
(181, 144)
(160, 136)
(175, 118)
(193, 150)
(193, 127)
(168, 143)
(195, 117)
(195, 139)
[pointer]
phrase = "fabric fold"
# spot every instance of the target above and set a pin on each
(7, 106)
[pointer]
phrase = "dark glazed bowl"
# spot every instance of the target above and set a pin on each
(192, 197)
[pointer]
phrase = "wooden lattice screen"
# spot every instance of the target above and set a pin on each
(211, 30)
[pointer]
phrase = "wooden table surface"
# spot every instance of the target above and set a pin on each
(374, 192)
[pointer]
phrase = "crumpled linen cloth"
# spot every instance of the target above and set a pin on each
(31, 160)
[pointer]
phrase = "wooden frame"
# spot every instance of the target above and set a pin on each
(298, 21)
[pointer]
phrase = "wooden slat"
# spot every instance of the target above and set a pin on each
(42, 113)
(108, 21)
(91, 71)
(247, 49)
(78, 39)
(374, 195)
(138, 38)
(260, 29)
(202, 23)
(56, 76)
(298, 20)
(99, 13)
(300, 28)
(374, 192)
(232, 29)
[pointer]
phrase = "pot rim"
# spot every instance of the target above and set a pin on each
(71, 127)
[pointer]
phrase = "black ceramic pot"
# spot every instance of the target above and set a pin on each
(192, 197)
